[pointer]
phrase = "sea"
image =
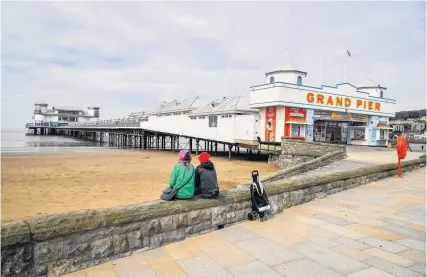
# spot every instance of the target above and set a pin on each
(17, 141)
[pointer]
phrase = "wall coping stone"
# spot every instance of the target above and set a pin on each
(316, 143)
(297, 167)
(14, 232)
(48, 227)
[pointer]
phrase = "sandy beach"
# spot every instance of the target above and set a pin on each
(42, 184)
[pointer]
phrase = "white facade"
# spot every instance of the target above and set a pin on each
(340, 114)
(224, 120)
(63, 115)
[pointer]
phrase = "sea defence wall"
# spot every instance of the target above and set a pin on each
(295, 151)
(58, 244)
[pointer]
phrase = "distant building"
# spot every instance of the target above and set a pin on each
(417, 125)
(60, 115)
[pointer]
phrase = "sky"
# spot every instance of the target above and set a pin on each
(131, 56)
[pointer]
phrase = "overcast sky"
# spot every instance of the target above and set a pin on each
(127, 57)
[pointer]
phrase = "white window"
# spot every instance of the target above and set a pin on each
(382, 134)
(296, 131)
(213, 121)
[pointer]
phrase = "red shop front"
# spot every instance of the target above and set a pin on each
(295, 122)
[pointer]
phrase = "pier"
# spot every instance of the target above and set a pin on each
(126, 134)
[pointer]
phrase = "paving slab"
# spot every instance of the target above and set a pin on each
(413, 243)
(202, 267)
(409, 233)
(254, 269)
(353, 243)
(352, 253)
(304, 268)
(414, 255)
(268, 252)
(329, 258)
(371, 272)
(324, 241)
(392, 268)
(332, 219)
(420, 268)
(384, 244)
(390, 257)
(236, 234)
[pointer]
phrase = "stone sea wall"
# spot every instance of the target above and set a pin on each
(58, 244)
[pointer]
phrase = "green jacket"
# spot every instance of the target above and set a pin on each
(180, 175)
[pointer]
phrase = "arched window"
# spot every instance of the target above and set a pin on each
(271, 80)
(381, 94)
(299, 81)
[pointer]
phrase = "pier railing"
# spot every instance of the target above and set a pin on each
(121, 122)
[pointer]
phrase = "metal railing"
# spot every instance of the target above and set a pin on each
(120, 122)
(46, 124)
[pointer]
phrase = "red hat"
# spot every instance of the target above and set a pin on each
(204, 157)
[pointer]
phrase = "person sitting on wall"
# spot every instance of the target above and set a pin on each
(206, 184)
(182, 176)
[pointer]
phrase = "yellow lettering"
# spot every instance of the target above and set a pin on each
(330, 101)
(347, 102)
(377, 106)
(320, 98)
(338, 101)
(310, 97)
(370, 105)
(358, 103)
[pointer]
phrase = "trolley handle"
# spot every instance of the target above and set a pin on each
(255, 175)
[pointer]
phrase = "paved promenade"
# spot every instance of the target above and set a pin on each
(376, 230)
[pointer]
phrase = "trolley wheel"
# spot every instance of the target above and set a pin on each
(251, 216)
(262, 216)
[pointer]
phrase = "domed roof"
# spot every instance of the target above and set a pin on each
(288, 66)
(369, 83)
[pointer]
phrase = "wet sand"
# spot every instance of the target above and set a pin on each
(42, 184)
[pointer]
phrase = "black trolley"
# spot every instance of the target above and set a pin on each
(260, 203)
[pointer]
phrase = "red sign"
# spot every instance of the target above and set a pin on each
(270, 124)
(293, 115)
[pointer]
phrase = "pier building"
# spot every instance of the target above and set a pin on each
(62, 115)
(344, 113)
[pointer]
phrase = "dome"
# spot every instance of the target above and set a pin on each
(369, 83)
(288, 66)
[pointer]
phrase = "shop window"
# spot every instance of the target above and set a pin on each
(381, 94)
(299, 81)
(382, 132)
(213, 121)
(296, 131)
(271, 80)
(359, 133)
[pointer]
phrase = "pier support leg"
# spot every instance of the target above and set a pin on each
(229, 151)
(173, 143)
(216, 148)
(191, 145)
(197, 147)
(238, 150)
(177, 143)
(157, 142)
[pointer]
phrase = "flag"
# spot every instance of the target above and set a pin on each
(348, 53)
